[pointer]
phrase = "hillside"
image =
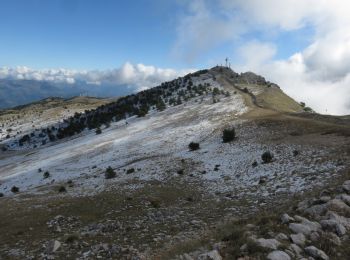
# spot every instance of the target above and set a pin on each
(22, 120)
(121, 181)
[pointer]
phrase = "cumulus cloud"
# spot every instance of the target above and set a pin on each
(137, 76)
(318, 74)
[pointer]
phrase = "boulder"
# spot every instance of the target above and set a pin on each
(278, 255)
(338, 206)
(325, 199)
(333, 238)
(54, 246)
(296, 249)
(305, 227)
(345, 198)
(281, 237)
(298, 239)
(285, 218)
(316, 253)
(333, 226)
(212, 255)
(268, 243)
(340, 219)
(346, 186)
(317, 210)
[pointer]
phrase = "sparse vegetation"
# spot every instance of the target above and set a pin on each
(14, 189)
(180, 171)
(193, 146)
(46, 175)
(131, 170)
(98, 131)
(62, 189)
(110, 173)
(228, 135)
(267, 157)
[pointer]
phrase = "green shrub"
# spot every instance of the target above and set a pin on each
(98, 131)
(46, 175)
(131, 170)
(110, 173)
(193, 146)
(62, 189)
(267, 157)
(15, 189)
(228, 135)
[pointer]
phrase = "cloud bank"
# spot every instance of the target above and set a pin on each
(318, 74)
(136, 77)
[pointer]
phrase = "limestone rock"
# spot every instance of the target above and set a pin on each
(54, 246)
(346, 186)
(316, 253)
(333, 226)
(278, 255)
(338, 206)
(305, 227)
(285, 218)
(268, 243)
(316, 210)
(298, 239)
(282, 237)
(212, 255)
(345, 198)
(340, 219)
(296, 249)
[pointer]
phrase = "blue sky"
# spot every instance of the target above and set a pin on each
(304, 46)
(92, 34)
(86, 34)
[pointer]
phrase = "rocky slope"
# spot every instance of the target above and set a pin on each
(135, 189)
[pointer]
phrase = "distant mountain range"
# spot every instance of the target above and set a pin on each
(19, 92)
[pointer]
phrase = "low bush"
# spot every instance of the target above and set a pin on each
(267, 157)
(46, 175)
(15, 189)
(131, 170)
(98, 131)
(193, 146)
(62, 189)
(228, 135)
(110, 173)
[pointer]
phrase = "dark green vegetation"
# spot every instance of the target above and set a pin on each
(228, 135)
(110, 173)
(267, 157)
(193, 146)
(171, 93)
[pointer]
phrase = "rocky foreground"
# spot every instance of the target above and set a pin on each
(319, 228)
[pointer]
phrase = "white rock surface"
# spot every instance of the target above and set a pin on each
(316, 253)
(298, 239)
(278, 255)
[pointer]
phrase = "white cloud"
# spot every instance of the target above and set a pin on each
(137, 76)
(255, 53)
(318, 74)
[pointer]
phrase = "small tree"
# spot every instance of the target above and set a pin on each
(62, 189)
(193, 146)
(131, 170)
(15, 189)
(110, 173)
(46, 175)
(98, 131)
(228, 135)
(267, 157)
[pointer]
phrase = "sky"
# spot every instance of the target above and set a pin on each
(304, 45)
